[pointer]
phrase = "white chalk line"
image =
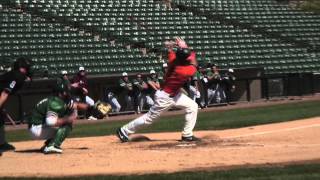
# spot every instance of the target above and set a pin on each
(274, 131)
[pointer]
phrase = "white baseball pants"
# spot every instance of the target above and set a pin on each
(42, 132)
(162, 103)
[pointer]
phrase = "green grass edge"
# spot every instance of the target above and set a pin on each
(234, 118)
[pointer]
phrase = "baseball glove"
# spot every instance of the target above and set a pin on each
(101, 109)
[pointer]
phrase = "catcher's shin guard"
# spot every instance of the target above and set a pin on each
(61, 135)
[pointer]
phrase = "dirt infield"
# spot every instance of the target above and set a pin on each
(296, 141)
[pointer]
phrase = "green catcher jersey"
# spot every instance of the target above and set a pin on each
(54, 105)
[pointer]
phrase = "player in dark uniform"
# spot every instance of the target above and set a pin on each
(153, 82)
(128, 91)
(141, 88)
(228, 84)
(10, 83)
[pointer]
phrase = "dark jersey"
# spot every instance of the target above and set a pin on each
(83, 83)
(228, 81)
(215, 79)
(11, 81)
(126, 87)
(139, 85)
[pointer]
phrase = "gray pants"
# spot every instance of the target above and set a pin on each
(142, 99)
(216, 94)
(114, 102)
(2, 135)
(2, 132)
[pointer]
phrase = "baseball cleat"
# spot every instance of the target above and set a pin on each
(52, 150)
(122, 135)
(45, 144)
(6, 147)
(190, 139)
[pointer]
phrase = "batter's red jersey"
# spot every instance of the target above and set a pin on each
(179, 76)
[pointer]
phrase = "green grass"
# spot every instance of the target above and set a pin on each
(292, 172)
(206, 121)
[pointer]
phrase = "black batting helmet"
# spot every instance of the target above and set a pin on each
(181, 56)
(22, 62)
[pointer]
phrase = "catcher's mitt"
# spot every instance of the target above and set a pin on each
(100, 109)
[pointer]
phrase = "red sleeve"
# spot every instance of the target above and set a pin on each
(171, 56)
(185, 70)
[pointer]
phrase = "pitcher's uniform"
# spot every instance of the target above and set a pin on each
(169, 96)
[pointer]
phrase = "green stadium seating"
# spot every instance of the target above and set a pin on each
(56, 45)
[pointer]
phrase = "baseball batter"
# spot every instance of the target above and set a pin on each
(182, 64)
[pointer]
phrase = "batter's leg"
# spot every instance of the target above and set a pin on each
(191, 108)
(162, 103)
(149, 100)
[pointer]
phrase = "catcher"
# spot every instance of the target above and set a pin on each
(52, 118)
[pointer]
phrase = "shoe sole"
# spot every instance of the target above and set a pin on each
(190, 140)
(122, 137)
(52, 152)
